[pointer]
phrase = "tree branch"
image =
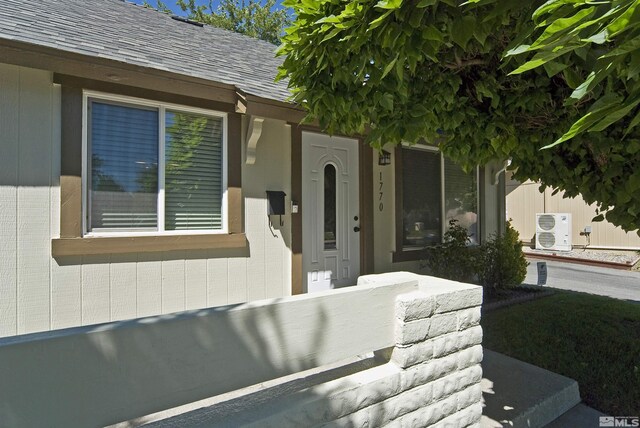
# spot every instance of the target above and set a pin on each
(462, 64)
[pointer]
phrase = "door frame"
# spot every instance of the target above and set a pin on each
(365, 174)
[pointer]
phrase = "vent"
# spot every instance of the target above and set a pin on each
(547, 239)
(553, 232)
(546, 222)
(187, 21)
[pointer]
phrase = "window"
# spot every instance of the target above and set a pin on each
(330, 201)
(434, 191)
(153, 168)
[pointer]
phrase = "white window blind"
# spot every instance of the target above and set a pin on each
(124, 167)
(461, 198)
(426, 184)
(138, 183)
(421, 210)
(193, 172)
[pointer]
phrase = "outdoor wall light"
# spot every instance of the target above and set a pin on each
(384, 158)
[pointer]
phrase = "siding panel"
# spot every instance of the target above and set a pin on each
(149, 285)
(9, 124)
(66, 292)
(173, 286)
(237, 280)
(96, 292)
(256, 223)
(195, 275)
(123, 277)
(217, 281)
(33, 205)
(38, 293)
(525, 200)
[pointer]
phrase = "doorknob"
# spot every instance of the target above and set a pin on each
(356, 228)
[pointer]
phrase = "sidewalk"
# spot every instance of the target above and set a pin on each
(619, 284)
(517, 394)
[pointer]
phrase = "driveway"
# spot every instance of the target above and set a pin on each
(620, 284)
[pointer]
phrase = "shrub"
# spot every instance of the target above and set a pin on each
(503, 264)
(497, 264)
(453, 259)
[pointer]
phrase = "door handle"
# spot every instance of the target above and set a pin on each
(356, 228)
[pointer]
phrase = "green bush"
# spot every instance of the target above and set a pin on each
(503, 264)
(497, 264)
(453, 259)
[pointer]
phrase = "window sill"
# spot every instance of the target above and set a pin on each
(143, 244)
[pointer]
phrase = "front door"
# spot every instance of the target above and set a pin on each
(330, 212)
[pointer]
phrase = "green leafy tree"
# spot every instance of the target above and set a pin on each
(462, 77)
(251, 18)
(596, 47)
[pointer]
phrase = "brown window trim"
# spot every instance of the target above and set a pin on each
(139, 244)
(71, 241)
(400, 254)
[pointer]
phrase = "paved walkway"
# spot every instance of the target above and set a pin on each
(619, 284)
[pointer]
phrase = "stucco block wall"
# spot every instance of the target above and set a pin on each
(286, 362)
(524, 200)
(433, 378)
(39, 292)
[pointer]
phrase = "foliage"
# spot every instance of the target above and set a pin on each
(453, 259)
(594, 340)
(503, 264)
(250, 18)
(404, 70)
(496, 264)
(596, 47)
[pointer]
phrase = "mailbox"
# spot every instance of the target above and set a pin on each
(275, 204)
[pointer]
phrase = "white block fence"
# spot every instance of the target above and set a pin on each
(101, 375)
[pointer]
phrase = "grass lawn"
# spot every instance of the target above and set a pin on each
(594, 340)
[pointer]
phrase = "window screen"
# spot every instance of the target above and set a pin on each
(461, 198)
(424, 186)
(123, 163)
(193, 172)
(134, 179)
(421, 200)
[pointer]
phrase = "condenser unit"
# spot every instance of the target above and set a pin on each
(553, 232)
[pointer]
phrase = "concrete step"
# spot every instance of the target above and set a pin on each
(581, 416)
(517, 394)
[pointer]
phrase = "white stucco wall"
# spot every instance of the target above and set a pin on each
(38, 292)
(98, 376)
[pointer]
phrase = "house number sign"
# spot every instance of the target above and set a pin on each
(381, 183)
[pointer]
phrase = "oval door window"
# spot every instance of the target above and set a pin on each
(330, 199)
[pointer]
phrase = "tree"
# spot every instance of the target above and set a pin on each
(249, 18)
(407, 70)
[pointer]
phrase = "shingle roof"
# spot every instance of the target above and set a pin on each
(126, 32)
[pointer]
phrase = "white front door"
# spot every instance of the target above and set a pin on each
(330, 212)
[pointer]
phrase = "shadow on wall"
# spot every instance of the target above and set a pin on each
(109, 373)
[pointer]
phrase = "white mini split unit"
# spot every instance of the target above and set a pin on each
(553, 232)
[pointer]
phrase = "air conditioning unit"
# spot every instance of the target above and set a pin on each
(553, 232)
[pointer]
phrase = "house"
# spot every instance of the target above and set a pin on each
(137, 153)
(525, 200)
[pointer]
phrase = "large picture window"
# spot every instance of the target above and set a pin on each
(153, 168)
(435, 191)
